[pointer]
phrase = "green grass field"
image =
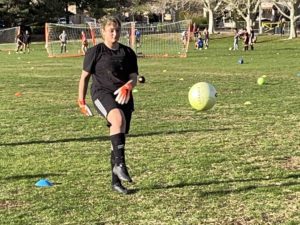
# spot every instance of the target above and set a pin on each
(234, 164)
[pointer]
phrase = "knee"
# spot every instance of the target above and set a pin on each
(116, 118)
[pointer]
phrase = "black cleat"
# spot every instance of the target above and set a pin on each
(121, 172)
(118, 187)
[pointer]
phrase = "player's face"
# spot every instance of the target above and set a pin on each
(111, 33)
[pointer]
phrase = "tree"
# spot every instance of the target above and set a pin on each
(292, 6)
(211, 6)
(14, 11)
(46, 11)
(247, 9)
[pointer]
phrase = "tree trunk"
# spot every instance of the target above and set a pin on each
(211, 24)
(259, 21)
(293, 32)
(248, 23)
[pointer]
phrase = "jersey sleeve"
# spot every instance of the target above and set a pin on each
(133, 68)
(89, 61)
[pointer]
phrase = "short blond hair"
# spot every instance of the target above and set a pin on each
(108, 20)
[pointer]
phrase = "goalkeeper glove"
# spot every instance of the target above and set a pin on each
(84, 108)
(123, 93)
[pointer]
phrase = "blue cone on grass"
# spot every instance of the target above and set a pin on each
(43, 183)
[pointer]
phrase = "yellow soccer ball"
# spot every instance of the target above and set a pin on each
(202, 96)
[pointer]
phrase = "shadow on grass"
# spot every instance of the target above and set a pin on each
(247, 188)
(30, 176)
(233, 190)
(106, 138)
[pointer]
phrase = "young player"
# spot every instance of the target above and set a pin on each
(84, 42)
(63, 41)
(236, 39)
(27, 41)
(138, 38)
(20, 43)
(184, 38)
(199, 43)
(246, 41)
(251, 38)
(206, 37)
(113, 67)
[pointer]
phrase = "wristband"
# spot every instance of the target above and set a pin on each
(81, 101)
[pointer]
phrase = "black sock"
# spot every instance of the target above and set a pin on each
(114, 178)
(118, 144)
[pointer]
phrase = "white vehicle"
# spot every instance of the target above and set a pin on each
(63, 20)
(90, 20)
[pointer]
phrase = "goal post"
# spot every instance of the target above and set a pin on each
(8, 38)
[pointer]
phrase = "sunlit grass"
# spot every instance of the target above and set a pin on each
(233, 164)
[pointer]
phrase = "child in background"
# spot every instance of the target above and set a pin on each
(199, 43)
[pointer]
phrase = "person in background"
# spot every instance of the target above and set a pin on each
(63, 41)
(84, 42)
(199, 43)
(246, 41)
(27, 41)
(206, 37)
(236, 39)
(19, 41)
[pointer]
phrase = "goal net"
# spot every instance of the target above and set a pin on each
(73, 39)
(147, 40)
(162, 40)
(8, 38)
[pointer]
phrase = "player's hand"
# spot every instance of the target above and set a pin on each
(84, 108)
(123, 93)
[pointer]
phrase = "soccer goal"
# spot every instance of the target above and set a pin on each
(73, 32)
(73, 39)
(162, 40)
(8, 38)
(147, 40)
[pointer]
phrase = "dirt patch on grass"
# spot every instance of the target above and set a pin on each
(8, 204)
(292, 163)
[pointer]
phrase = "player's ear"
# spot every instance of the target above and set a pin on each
(102, 30)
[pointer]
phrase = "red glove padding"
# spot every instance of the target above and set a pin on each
(123, 93)
(84, 108)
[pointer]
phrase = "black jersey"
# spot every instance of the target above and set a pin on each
(110, 68)
(26, 38)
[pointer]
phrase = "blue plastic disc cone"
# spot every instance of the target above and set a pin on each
(43, 183)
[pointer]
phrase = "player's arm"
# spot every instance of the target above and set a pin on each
(82, 90)
(83, 84)
(133, 79)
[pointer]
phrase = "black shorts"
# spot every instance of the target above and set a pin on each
(105, 102)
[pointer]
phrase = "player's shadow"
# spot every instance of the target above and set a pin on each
(230, 190)
(106, 138)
